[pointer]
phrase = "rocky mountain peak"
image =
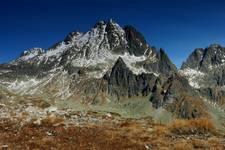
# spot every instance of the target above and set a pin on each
(162, 63)
(98, 50)
(123, 39)
(100, 23)
(34, 51)
(29, 54)
(136, 41)
(120, 63)
(105, 40)
(215, 46)
(163, 55)
(205, 67)
(72, 36)
(206, 59)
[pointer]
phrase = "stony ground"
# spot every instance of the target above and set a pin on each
(38, 125)
(92, 130)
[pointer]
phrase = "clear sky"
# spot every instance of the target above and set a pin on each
(178, 26)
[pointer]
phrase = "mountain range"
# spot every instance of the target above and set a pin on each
(113, 68)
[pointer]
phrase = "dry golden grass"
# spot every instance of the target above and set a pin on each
(182, 145)
(160, 130)
(51, 120)
(33, 136)
(126, 134)
(198, 143)
(193, 126)
(216, 142)
(193, 104)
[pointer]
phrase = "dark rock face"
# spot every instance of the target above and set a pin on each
(123, 83)
(202, 59)
(219, 76)
(216, 94)
(178, 97)
(165, 65)
(24, 70)
(136, 41)
(175, 94)
(69, 38)
(14, 71)
(177, 84)
(194, 60)
(168, 91)
(157, 95)
(162, 64)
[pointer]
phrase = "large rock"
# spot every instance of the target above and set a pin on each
(124, 83)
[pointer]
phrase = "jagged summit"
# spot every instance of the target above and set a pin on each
(29, 55)
(215, 45)
(33, 51)
(205, 66)
(120, 63)
(136, 41)
(206, 59)
(100, 47)
(103, 40)
(96, 51)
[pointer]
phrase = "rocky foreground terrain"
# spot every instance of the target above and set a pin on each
(92, 130)
(109, 89)
(68, 129)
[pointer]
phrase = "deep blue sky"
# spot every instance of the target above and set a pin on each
(178, 26)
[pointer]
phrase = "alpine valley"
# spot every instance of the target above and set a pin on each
(111, 74)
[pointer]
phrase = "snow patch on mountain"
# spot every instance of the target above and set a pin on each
(131, 60)
(57, 51)
(118, 34)
(34, 86)
(107, 62)
(29, 55)
(211, 67)
(193, 76)
(5, 71)
(22, 86)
